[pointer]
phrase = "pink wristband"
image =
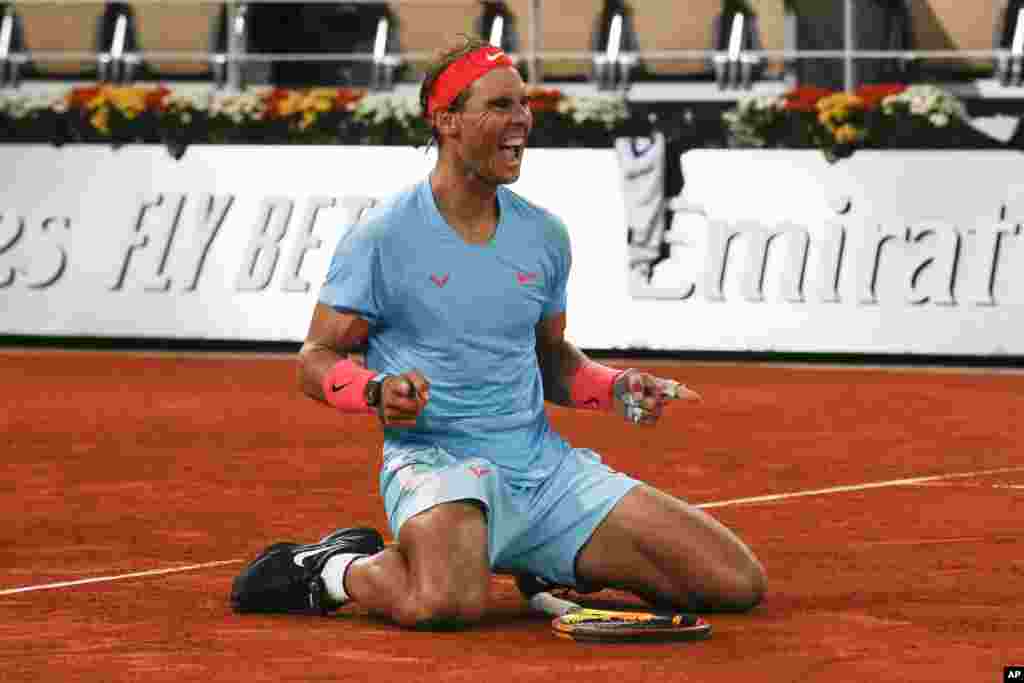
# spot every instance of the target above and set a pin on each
(344, 386)
(592, 386)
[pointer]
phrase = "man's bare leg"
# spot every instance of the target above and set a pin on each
(668, 551)
(436, 576)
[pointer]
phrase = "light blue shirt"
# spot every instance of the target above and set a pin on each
(465, 316)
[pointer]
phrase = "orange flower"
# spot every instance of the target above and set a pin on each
(282, 103)
(101, 120)
(79, 98)
(156, 99)
(347, 98)
(543, 99)
(847, 134)
(805, 98)
(873, 94)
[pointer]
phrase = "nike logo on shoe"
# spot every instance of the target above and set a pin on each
(300, 558)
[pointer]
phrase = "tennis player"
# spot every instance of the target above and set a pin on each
(456, 288)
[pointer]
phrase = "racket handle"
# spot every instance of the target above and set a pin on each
(546, 603)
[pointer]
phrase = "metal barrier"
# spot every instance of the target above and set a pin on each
(733, 68)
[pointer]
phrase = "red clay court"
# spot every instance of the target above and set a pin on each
(886, 504)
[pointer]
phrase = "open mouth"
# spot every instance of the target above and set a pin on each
(512, 148)
(512, 152)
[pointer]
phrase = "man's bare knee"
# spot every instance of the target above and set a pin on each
(744, 590)
(751, 590)
(437, 611)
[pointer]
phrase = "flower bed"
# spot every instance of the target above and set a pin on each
(120, 115)
(873, 117)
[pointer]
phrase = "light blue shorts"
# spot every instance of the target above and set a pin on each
(536, 529)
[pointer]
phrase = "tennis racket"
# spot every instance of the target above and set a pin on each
(575, 622)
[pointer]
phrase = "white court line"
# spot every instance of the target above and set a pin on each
(714, 504)
(102, 579)
(857, 487)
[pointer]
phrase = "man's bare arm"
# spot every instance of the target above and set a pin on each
(638, 395)
(558, 359)
(332, 336)
(335, 336)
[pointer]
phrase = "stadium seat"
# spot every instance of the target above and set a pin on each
(318, 27)
(1009, 35)
(117, 44)
(12, 46)
(736, 30)
(497, 25)
(230, 32)
(615, 43)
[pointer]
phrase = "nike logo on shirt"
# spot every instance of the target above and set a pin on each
(439, 280)
(495, 57)
(339, 387)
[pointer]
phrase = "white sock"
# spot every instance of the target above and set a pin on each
(333, 575)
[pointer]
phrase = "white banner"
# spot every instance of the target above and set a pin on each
(766, 251)
(884, 252)
(230, 242)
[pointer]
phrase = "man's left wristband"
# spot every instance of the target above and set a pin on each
(344, 387)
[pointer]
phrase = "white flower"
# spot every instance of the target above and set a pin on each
(760, 103)
(246, 105)
(188, 101)
(381, 107)
(750, 114)
(607, 110)
(19, 105)
(929, 101)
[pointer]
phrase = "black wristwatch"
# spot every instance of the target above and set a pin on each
(372, 392)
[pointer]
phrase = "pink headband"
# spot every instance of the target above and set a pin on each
(461, 73)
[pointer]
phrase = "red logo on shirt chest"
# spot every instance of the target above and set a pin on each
(440, 280)
(479, 470)
(525, 278)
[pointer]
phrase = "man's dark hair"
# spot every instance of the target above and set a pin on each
(442, 61)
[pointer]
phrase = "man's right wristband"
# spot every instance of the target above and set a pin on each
(373, 392)
(344, 387)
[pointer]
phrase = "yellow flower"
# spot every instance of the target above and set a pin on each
(98, 100)
(836, 111)
(840, 101)
(131, 101)
(320, 99)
